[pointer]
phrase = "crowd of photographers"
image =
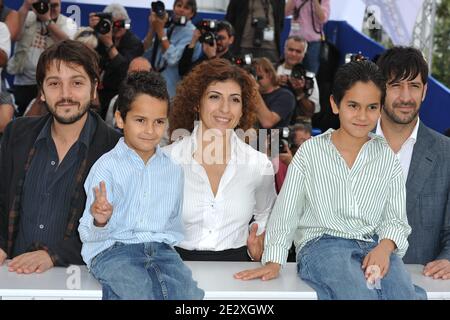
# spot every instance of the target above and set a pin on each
(249, 36)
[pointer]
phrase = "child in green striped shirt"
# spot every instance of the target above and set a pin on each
(344, 202)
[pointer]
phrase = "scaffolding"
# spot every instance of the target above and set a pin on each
(423, 32)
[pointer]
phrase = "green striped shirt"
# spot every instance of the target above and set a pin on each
(321, 195)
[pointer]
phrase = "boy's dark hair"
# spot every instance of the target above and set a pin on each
(350, 73)
(225, 25)
(190, 3)
(137, 83)
(70, 52)
(403, 63)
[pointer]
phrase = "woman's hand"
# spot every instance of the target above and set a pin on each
(255, 244)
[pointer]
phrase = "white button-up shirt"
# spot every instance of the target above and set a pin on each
(404, 155)
(246, 190)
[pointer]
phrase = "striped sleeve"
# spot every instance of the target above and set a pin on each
(284, 218)
(394, 223)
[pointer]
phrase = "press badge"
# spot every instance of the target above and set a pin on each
(269, 34)
(295, 27)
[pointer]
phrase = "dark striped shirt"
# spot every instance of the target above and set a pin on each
(48, 188)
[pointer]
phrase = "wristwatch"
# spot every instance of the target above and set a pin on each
(164, 37)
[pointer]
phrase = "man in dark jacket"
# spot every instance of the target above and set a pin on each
(258, 25)
(45, 160)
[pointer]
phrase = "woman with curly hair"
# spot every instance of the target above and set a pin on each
(227, 183)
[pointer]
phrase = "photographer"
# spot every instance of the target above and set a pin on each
(166, 39)
(117, 47)
(258, 25)
(308, 18)
(6, 105)
(275, 104)
(214, 38)
(288, 146)
(293, 76)
(41, 25)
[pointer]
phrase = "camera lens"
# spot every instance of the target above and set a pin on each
(41, 7)
(159, 8)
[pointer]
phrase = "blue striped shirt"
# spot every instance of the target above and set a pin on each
(146, 198)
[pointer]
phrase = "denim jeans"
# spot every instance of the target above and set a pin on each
(332, 267)
(311, 62)
(147, 271)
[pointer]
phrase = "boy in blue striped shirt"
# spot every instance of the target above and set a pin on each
(132, 217)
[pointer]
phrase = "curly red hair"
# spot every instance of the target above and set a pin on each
(191, 89)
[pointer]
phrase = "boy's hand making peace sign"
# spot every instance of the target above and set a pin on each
(101, 209)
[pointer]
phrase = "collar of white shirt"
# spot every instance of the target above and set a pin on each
(412, 137)
(192, 142)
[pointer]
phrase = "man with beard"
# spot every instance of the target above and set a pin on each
(425, 158)
(44, 162)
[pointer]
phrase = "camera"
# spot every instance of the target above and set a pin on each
(106, 23)
(350, 57)
(158, 8)
(299, 72)
(208, 37)
(41, 6)
(242, 61)
(275, 139)
(208, 27)
(245, 62)
(259, 24)
(284, 137)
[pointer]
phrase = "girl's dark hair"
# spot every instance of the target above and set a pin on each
(70, 52)
(140, 82)
(191, 89)
(350, 73)
(403, 63)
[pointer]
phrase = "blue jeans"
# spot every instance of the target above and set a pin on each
(332, 267)
(311, 62)
(147, 271)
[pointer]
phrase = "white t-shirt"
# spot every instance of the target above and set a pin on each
(5, 44)
(314, 97)
(39, 44)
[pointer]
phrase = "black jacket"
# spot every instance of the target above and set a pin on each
(238, 11)
(18, 139)
(115, 70)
